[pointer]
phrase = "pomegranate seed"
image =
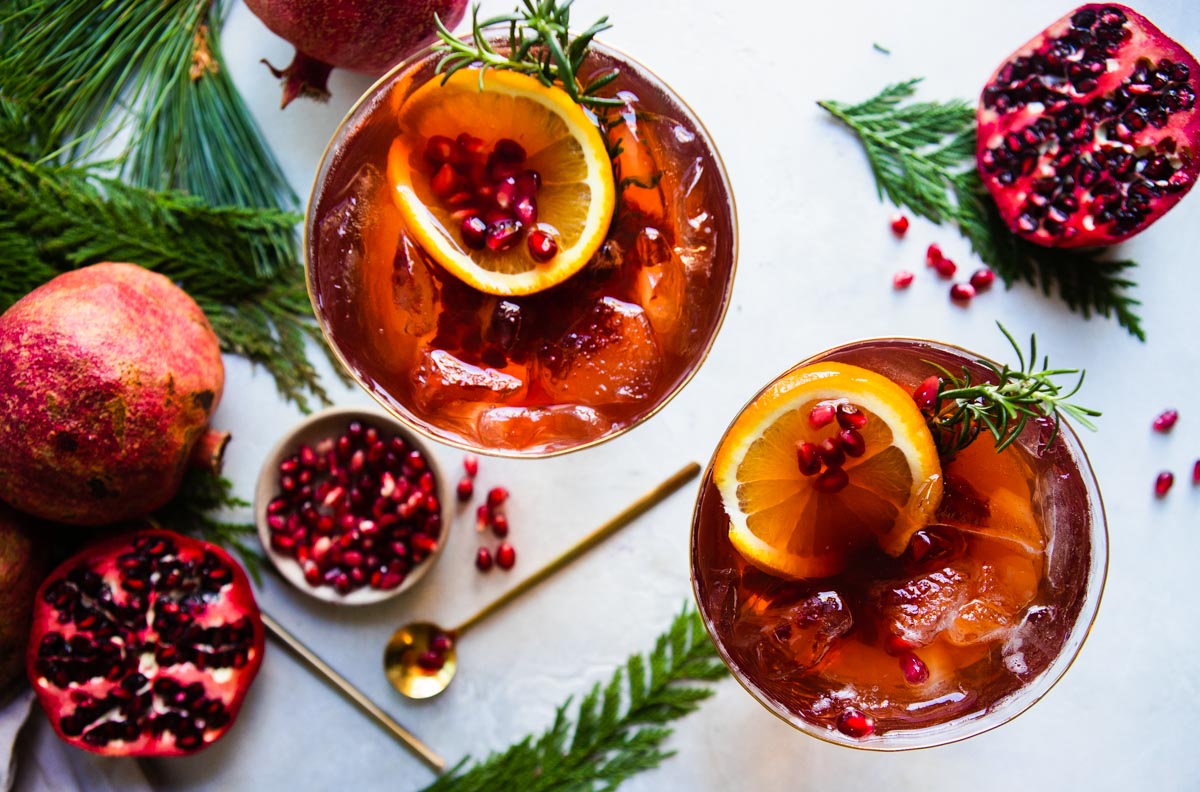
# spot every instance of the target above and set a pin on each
(439, 149)
(391, 580)
(850, 417)
(831, 453)
(483, 559)
(470, 145)
(895, 645)
(542, 246)
(1162, 484)
(500, 525)
(1165, 420)
(946, 268)
(915, 670)
(902, 279)
(982, 279)
(509, 150)
(466, 488)
(807, 459)
(496, 496)
(416, 460)
(506, 556)
(483, 517)
(933, 254)
(431, 660)
(832, 480)
(441, 643)
(502, 235)
(852, 442)
(821, 415)
(962, 292)
(526, 210)
(926, 394)
(445, 182)
(471, 465)
(855, 723)
(506, 195)
(474, 231)
(899, 225)
(1196, 472)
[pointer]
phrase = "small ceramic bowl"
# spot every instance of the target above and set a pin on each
(330, 424)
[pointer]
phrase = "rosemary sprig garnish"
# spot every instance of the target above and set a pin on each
(922, 155)
(619, 729)
(539, 44)
(237, 263)
(82, 73)
(962, 408)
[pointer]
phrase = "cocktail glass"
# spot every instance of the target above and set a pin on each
(789, 644)
(542, 374)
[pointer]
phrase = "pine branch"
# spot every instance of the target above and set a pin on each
(922, 155)
(619, 728)
(82, 73)
(238, 264)
(201, 493)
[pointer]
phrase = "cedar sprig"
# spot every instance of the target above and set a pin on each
(236, 263)
(81, 75)
(964, 408)
(539, 44)
(619, 728)
(191, 511)
(922, 155)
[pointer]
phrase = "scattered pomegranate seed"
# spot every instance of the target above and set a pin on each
(496, 496)
(946, 268)
(850, 417)
(915, 670)
(1196, 472)
(962, 292)
(431, 660)
(441, 643)
(855, 723)
(471, 465)
(926, 393)
(483, 559)
(822, 415)
(831, 453)
(483, 517)
(1165, 420)
(542, 246)
(1162, 484)
(466, 488)
(899, 225)
(982, 279)
(834, 479)
(500, 524)
(807, 459)
(474, 231)
(506, 556)
(902, 279)
(852, 442)
(933, 254)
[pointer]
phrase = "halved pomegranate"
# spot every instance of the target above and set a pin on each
(1089, 132)
(145, 645)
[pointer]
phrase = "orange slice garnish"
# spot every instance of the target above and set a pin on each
(575, 198)
(779, 520)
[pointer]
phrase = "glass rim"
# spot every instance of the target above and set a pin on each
(1000, 712)
(433, 433)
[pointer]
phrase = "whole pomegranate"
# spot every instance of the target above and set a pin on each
(21, 569)
(108, 377)
(1089, 132)
(144, 645)
(368, 36)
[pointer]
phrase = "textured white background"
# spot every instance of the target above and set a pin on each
(814, 271)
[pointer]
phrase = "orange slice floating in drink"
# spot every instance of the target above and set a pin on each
(504, 181)
(795, 519)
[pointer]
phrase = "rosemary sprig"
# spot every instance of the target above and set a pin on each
(539, 44)
(619, 729)
(81, 74)
(190, 511)
(236, 263)
(922, 155)
(963, 408)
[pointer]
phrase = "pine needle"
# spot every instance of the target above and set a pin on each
(619, 728)
(238, 264)
(190, 511)
(922, 155)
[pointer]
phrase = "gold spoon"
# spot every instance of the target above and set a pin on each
(400, 657)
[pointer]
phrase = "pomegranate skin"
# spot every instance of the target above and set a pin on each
(22, 566)
(367, 36)
(1090, 131)
(108, 377)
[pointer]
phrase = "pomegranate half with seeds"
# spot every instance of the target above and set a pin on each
(1089, 132)
(144, 645)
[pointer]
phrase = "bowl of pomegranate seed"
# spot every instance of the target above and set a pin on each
(349, 506)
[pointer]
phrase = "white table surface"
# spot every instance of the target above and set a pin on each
(814, 270)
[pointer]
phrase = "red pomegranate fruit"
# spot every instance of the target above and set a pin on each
(1089, 132)
(108, 377)
(22, 565)
(144, 645)
(368, 36)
